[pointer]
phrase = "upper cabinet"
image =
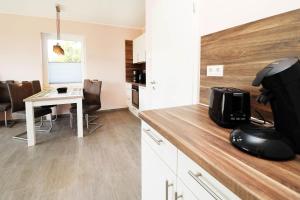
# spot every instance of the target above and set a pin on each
(139, 49)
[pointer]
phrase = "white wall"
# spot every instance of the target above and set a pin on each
(216, 15)
(21, 52)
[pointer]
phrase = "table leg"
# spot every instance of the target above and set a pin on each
(79, 119)
(30, 124)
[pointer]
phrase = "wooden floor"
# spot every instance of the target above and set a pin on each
(104, 165)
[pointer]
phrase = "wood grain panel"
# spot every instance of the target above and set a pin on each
(244, 50)
(191, 131)
(129, 66)
(128, 59)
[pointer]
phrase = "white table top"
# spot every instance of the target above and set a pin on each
(52, 94)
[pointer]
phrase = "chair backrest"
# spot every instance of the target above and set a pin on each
(17, 93)
(92, 92)
(4, 94)
(36, 86)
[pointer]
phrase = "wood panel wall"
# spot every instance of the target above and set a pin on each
(129, 66)
(128, 59)
(246, 49)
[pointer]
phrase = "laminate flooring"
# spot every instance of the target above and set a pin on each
(104, 165)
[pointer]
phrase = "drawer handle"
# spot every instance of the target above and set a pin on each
(167, 189)
(197, 177)
(148, 132)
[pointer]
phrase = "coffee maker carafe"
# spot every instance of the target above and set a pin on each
(281, 88)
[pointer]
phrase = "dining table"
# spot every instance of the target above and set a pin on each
(50, 97)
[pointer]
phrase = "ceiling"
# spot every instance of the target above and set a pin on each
(127, 13)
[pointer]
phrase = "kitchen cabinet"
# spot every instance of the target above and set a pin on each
(172, 46)
(167, 173)
(201, 183)
(139, 49)
(158, 180)
(142, 98)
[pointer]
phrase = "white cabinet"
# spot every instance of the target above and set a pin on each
(201, 183)
(167, 173)
(139, 49)
(158, 181)
(142, 98)
(183, 193)
(161, 146)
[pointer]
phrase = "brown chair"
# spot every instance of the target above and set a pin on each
(90, 104)
(19, 92)
(5, 101)
(36, 88)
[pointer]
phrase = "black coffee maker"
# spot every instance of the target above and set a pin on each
(281, 88)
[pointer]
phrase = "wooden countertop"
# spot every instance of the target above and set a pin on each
(190, 129)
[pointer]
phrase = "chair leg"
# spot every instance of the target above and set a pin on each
(95, 125)
(7, 123)
(71, 120)
(51, 123)
(5, 119)
(19, 136)
(41, 123)
(55, 114)
(55, 118)
(87, 120)
(48, 130)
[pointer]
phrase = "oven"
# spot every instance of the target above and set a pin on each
(135, 96)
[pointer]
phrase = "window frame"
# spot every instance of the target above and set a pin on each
(68, 37)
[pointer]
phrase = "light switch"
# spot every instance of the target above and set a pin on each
(215, 70)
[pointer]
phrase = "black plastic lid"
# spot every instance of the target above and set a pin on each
(274, 68)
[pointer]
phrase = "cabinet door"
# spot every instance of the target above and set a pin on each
(183, 193)
(142, 98)
(200, 182)
(158, 181)
(142, 48)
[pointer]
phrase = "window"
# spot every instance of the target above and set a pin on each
(63, 69)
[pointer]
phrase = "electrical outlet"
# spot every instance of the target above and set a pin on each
(215, 70)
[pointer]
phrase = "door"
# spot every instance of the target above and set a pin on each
(158, 181)
(171, 41)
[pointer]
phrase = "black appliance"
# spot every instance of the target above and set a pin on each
(62, 90)
(142, 77)
(281, 88)
(262, 142)
(229, 107)
(135, 76)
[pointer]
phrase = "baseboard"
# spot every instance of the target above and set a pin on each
(113, 110)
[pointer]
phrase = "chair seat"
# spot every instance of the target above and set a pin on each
(38, 112)
(4, 107)
(86, 108)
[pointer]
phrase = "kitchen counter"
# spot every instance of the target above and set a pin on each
(190, 129)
